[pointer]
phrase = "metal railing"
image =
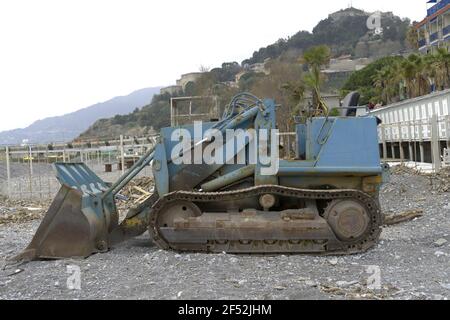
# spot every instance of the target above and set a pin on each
(27, 172)
(434, 36)
(422, 43)
(446, 30)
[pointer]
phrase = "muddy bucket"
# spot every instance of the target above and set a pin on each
(78, 220)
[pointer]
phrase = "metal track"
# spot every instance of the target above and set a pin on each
(364, 243)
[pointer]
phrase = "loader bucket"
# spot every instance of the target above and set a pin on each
(76, 224)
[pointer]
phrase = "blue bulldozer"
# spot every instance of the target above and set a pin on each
(221, 187)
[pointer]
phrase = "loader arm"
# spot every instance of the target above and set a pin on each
(83, 218)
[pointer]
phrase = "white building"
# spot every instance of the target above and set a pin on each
(416, 129)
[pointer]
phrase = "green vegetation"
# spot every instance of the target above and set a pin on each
(315, 59)
(392, 79)
(346, 33)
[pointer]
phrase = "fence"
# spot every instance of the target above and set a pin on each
(416, 129)
(422, 140)
(27, 173)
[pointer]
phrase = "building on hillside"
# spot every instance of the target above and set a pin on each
(434, 31)
(345, 64)
(260, 67)
(172, 90)
(188, 77)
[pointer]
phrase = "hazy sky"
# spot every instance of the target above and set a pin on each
(59, 56)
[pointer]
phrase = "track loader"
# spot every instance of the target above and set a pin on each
(221, 187)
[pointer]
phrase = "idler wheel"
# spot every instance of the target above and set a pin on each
(348, 219)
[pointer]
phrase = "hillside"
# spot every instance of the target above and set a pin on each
(67, 127)
(346, 33)
(270, 69)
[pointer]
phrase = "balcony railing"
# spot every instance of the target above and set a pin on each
(434, 36)
(438, 6)
(446, 30)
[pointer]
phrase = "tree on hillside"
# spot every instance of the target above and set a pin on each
(412, 38)
(391, 79)
(282, 75)
(439, 66)
(315, 59)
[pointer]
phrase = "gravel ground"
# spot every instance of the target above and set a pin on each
(413, 260)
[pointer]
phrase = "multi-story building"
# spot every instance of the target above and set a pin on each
(434, 30)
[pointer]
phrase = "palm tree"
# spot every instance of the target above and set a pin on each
(439, 65)
(408, 73)
(315, 59)
(388, 81)
(422, 84)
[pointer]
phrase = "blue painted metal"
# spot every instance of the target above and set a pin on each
(187, 176)
(79, 177)
(229, 178)
(434, 36)
(438, 6)
(160, 170)
(265, 120)
(422, 43)
(446, 30)
(352, 143)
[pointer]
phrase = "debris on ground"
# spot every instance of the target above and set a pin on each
(403, 169)
(439, 181)
(138, 190)
(19, 211)
(391, 219)
(440, 242)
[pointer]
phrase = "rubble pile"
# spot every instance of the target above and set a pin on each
(138, 186)
(403, 169)
(439, 181)
(18, 211)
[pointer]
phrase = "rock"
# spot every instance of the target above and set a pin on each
(445, 285)
(241, 282)
(17, 271)
(333, 261)
(279, 288)
(440, 242)
(311, 283)
(346, 284)
(439, 253)
(233, 260)
(301, 279)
